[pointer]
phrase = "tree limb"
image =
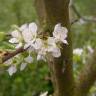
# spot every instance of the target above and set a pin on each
(12, 54)
(93, 20)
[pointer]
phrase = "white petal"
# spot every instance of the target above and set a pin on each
(33, 30)
(27, 35)
(13, 40)
(78, 51)
(56, 52)
(65, 41)
(11, 70)
(29, 59)
(44, 94)
(33, 27)
(23, 66)
(60, 33)
(90, 49)
(16, 34)
(57, 26)
(23, 27)
(18, 45)
(51, 40)
(8, 62)
(38, 44)
(40, 57)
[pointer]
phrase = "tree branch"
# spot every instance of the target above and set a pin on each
(93, 20)
(86, 77)
(12, 54)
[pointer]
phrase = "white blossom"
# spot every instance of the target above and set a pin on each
(38, 44)
(23, 66)
(12, 69)
(27, 36)
(16, 34)
(60, 33)
(26, 33)
(78, 51)
(13, 40)
(30, 35)
(44, 94)
(30, 32)
(29, 59)
(19, 45)
(42, 54)
(56, 52)
(52, 47)
(90, 49)
(16, 38)
(8, 62)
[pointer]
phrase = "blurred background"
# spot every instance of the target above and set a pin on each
(35, 78)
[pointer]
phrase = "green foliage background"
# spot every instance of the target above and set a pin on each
(32, 79)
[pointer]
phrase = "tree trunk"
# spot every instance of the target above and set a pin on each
(50, 13)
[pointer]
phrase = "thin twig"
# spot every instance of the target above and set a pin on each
(80, 16)
(12, 54)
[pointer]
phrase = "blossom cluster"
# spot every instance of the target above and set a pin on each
(27, 36)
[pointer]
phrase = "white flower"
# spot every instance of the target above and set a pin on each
(41, 57)
(78, 51)
(16, 34)
(42, 54)
(52, 47)
(23, 66)
(47, 46)
(90, 49)
(44, 94)
(27, 34)
(16, 38)
(29, 59)
(23, 27)
(30, 35)
(60, 33)
(8, 62)
(12, 69)
(56, 52)
(19, 45)
(30, 32)
(13, 40)
(38, 44)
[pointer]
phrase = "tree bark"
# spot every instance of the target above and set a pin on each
(50, 13)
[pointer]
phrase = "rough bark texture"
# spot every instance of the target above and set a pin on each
(86, 77)
(50, 13)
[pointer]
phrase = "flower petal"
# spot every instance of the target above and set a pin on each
(29, 59)
(64, 41)
(16, 34)
(60, 33)
(13, 40)
(41, 57)
(33, 27)
(56, 52)
(27, 35)
(19, 45)
(23, 66)
(23, 27)
(44, 94)
(38, 44)
(12, 69)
